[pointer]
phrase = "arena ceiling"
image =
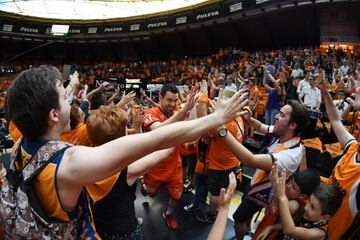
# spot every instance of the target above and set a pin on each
(92, 9)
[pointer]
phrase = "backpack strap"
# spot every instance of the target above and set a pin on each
(14, 154)
(22, 177)
(14, 175)
(42, 158)
(38, 162)
(269, 139)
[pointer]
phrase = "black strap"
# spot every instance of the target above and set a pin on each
(268, 140)
(242, 133)
(272, 159)
(296, 145)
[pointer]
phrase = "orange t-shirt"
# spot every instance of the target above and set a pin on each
(167, 167)
(346, 175)
(188, 149)
(220, 156)
(77, 136)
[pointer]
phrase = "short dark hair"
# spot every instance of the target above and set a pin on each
(167, 87)
(231, 77)
(97, 100)
(308, 180)
(299, 115)
(31, 97)
(329, 197)
(75, 101)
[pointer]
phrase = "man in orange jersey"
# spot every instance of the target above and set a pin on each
(38, 106)
(346, 174)
(168, 171)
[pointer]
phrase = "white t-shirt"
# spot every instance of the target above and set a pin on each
(344, 69)
(302, 84)
(232, 87)
(312, 97)
(297, 73)
(288, 159)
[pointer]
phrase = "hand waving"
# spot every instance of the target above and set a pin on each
(74, 79)
(225, 194)
(229, 109)
(192, 99)
(278, 183)
(126, 99)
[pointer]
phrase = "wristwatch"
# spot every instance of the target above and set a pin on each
(222, 132)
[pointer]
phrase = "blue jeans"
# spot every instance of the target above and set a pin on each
(270, 116)
(201, 190)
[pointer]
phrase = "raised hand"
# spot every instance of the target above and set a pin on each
(117, 90)
(278, 183)
(142, 92)
(103, 86)
(324, 87)
(281, 193)
(138, 121)
(321, 78)
(130, 105)
(74, 79)
(229, 109)
(126, 98)
(274, 177)
(246, 113)
(225, 194)
(192, 99)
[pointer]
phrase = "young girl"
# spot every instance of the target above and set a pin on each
(311, 222)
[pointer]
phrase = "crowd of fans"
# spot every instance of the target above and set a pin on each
(190, 139)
